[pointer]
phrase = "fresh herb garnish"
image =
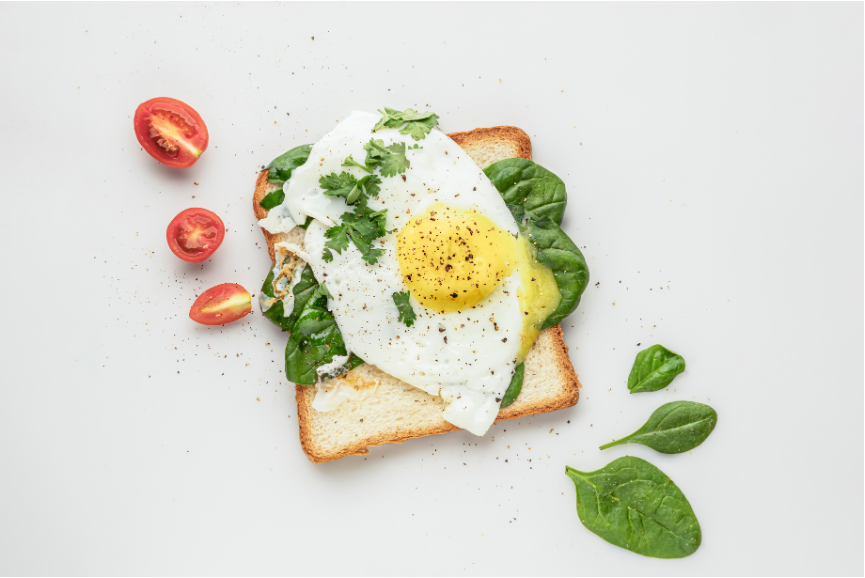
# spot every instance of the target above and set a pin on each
(419, 124)
(406, 312)
(348, 186)
(362, 226)
(273, 199)
(390, 159)
(350, 162)
(632, 504)
(279, 170)
(515, 387)
(654, 369)
(673, 428)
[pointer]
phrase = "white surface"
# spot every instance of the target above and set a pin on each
(714, 151)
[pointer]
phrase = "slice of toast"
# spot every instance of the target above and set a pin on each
(397, 411)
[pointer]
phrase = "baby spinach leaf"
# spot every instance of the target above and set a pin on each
(315, 338)
(282, 166)
(406, 313)
(515, 387)
(273, 199)
(303, 291)
(523, 183)
(673, 428)
(556, 251)
(654, 369)
(632, 504)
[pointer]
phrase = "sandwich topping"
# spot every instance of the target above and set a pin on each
(417, 263)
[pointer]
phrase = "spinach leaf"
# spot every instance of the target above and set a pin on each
(273, 199)
(406, 313)
(302, 293)
(281, 167)
(529, 189)
(315, 338)
(673, 428)
(515, 387)
(556, 251)
(654, 369)
(632, 504)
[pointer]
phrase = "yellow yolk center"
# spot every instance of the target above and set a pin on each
(453, 259)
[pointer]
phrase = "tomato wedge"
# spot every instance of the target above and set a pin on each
(221, 304)
(194, 234)
(170, 131)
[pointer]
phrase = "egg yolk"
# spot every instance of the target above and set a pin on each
(452, 259)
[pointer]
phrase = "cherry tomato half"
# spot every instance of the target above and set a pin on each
(195, 234)
(170, 131)
(221, 304)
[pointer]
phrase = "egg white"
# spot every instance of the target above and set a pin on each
(462, 355)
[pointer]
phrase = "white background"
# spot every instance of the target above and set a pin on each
(713, 156)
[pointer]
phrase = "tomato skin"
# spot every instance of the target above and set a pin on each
(170, 131)
(194, 234)
(221, 304)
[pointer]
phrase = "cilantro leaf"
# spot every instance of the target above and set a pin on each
(418, 129)
(406, 313)
(273, 199)
(337, 239)
(396, 162)
(362, 227)
(350, 162)
(392, 118)
(376, 152)
(370, 185)
(338, 185)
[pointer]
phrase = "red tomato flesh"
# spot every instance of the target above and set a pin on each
(195, 234)
(170, 131)
(221, 304)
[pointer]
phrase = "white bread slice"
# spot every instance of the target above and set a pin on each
(397, 411)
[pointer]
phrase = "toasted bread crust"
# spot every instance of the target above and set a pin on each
(505, 142)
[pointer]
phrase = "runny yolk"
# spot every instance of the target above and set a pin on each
(452, 259)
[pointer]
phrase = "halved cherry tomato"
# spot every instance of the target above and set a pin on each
(221, 304)
(170, 131)
(195, 234)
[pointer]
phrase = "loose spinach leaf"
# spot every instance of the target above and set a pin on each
(673, 428)
(632, 504)
(529, 189)
(557, 252)
(654, 369)
(406, 313)
(273, 199)
(303, 291)
(281, 167)
(515, 387)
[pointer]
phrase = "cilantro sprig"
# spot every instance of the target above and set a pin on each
(348, 186)
(417, 124)
(406, 312)
(361, 226)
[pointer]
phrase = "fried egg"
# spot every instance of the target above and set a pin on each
(478, 292)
